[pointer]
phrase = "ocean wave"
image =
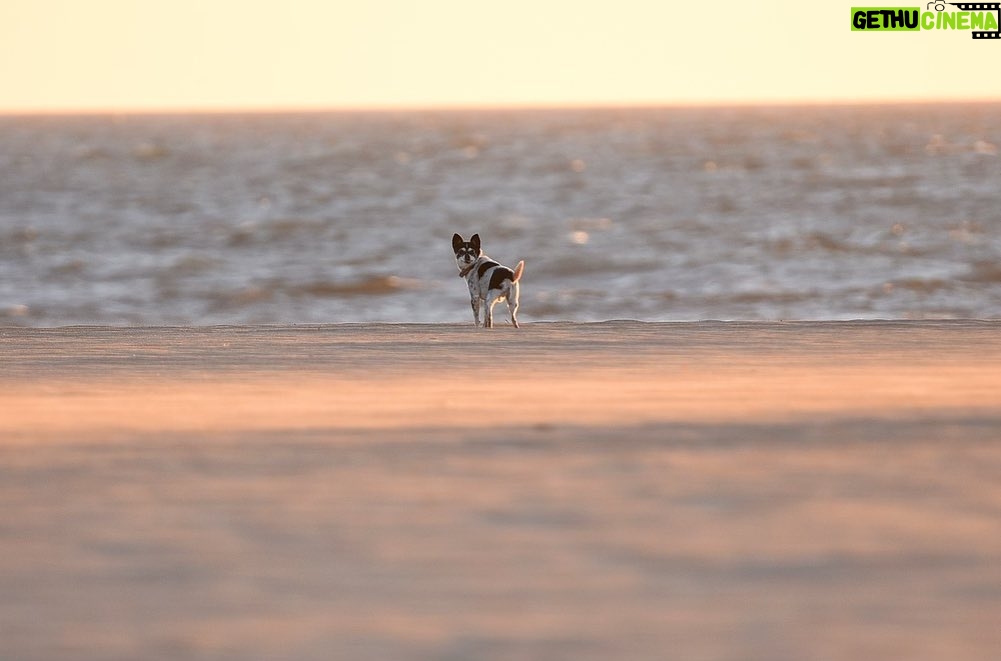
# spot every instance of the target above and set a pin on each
(255, 294)
(376, 285)
(984, 272)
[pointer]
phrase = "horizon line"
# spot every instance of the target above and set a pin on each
(483, 107)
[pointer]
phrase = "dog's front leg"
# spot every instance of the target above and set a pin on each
(475, 303)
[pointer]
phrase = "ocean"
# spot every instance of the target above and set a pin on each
(658, 214)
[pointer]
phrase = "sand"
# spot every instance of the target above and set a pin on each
(567, 491)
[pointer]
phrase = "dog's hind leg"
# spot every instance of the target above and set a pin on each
(512, 304)
(512, 294)
(493, 298)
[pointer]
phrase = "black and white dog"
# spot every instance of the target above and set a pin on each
(489, 282)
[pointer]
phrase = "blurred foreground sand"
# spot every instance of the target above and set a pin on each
(568, 491)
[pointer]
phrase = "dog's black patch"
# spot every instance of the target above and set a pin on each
(483, 268)
(499, 276)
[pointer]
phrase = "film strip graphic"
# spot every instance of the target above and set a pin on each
(982, 6)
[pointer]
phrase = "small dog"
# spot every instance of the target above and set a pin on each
(488, 281)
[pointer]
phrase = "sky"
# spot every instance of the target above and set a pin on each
(182, 55)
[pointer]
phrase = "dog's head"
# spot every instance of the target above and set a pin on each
(466, 252)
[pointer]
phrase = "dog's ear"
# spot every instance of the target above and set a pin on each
(456, 242)
(474, 241)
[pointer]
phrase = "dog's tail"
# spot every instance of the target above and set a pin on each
(517, 271)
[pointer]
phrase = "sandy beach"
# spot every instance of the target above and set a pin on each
(618, 490)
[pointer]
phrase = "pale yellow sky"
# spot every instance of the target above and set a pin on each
(58, 55)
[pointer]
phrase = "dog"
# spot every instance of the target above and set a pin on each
(489, 282)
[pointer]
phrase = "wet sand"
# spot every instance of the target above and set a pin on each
(568, 491)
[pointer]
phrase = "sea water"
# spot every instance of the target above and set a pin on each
(810, 212)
